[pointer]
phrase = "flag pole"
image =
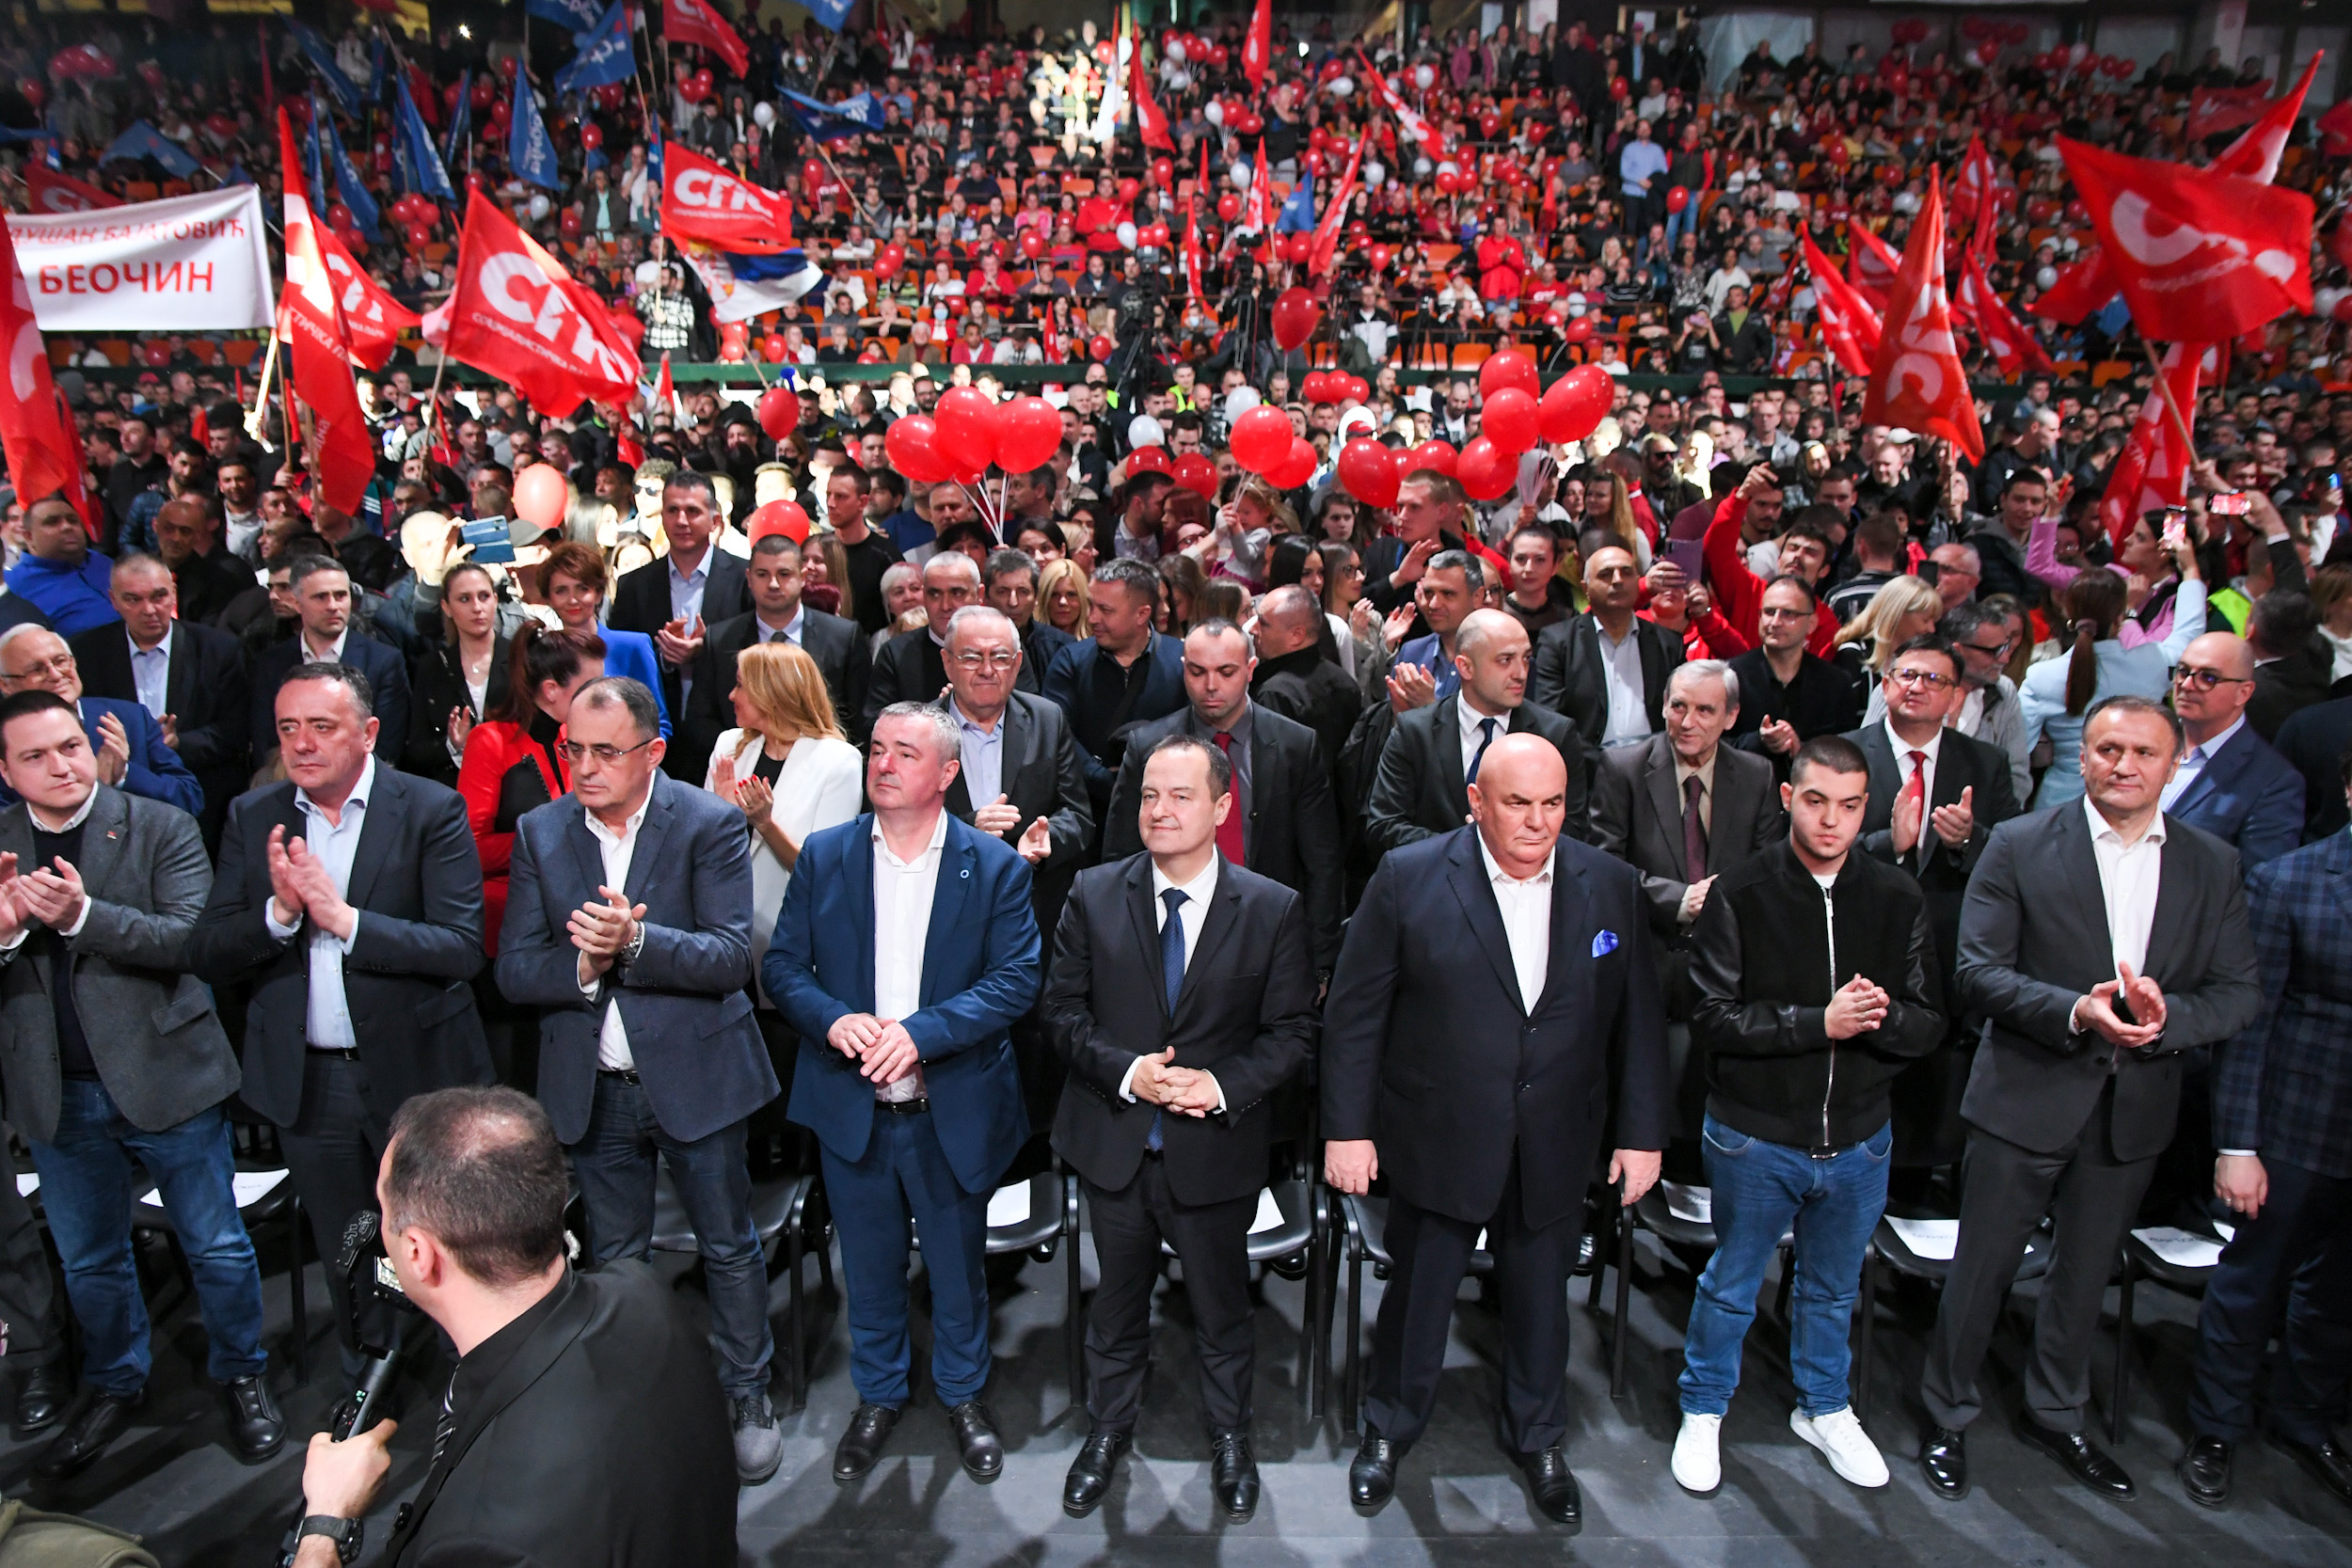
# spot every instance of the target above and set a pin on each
(2164, 384)
(257, 421)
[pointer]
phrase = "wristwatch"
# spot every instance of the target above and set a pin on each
(345, 1533)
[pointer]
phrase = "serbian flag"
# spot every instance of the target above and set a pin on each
(318, 352)
(517, 314)
(1873, 264)
(693, 22)
(1916, 380)
(700, 201)
(1257, 50)
(52, 192)
(372, 320)
(2152, 470)
(1849, 326)
(2003, 335)
(1258, 210)
(43, 456)
(1150, 123)
(2199, 256)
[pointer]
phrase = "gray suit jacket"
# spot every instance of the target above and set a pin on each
(159, 1046)
(1637, 817)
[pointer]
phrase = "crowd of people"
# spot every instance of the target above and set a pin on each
(1738, 802)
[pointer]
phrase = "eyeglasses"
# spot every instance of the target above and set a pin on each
(575, 753)
(2205, 680)
(1919, 678)
(60, 665)
(1999, 650)
(1000, 658)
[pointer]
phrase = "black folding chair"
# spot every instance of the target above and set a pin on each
(2188, 1271)
(782, 1216)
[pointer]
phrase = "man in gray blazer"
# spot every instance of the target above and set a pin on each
(109, 1049)
(628, 915)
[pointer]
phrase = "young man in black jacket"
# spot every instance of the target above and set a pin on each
(1817, 982)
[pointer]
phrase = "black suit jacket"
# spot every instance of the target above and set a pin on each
(1940, 870)
(416, 884)
(531, 1473)
(437, 688)
(207, 694)
(640, 602)
(2282, 688)
(1567, 678)
(1305, 685)
(1430, 1051)
(910, 668)
(206, 584)
(1101, 727)
(2033, 941)
(1382, 557)
(1419, 793)
(1044, 777)
(836, 646)
(388, 680)
(1637, 817)
(1292, 832)
(1245, 1013)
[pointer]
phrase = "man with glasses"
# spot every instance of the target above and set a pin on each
(912, 666)
(628, 927)
(134, 753)
(1988, 709)
(2231, 782)
(1788, 693)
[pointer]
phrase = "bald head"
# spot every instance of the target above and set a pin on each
(2212, 685)
(1492, 654)
(1289, 619)
(1520, 802)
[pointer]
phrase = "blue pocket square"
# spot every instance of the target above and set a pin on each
(1604, 943)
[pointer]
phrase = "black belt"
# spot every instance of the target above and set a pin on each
(622, 1075)
(342, 1052)
(904, 1107)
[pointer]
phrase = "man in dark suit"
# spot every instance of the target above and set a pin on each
(1125, 674)
(187, 540)
(1429, 512)
(551, 1364)
(190, 678)
(2231, 783)
(905, 950)
(2282, 1121)
(1282, 823)
(1607, 668)
(628, 927)
(320, 590)
(349, 897)
(110, 1048)
(1293, 679)
(2101, 943)
(1473, 1057)
(676, 600)
(911, 667)
(1435, 752)
(1182, 996)
(2290, 659)
(1011, 578)
(777, 612)
(132, 754)
(2313, 742)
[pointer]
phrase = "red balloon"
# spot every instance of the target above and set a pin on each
(1228, 207)
(1028, 435)
(1489, 126)
(1508, 368)
(778, 517)
(1129, 189)
(1508, 419)
(1150, 460)
(1163, 172)
(779, 409)
(1196, 474)
(1357, 389)
(1678, 198)
(34, 91)
(156, 352)
(1296, 249)
(891, 258)
(1576, 404)
(592, 135)
(1032, 244)
(484, 94)
(969, 427)
(1580, 329)
(1261, 437)
(912, 444)
(1369, 471)
(811, 173)
(1295, 313)
(1296, 468)
(1157, 236)
(1101, 346)
(339, 217)
(1618, 87)
(1381, 256)
(569, 223)
(705, 82)
(1436, 457)
(419, 236)
(1486, 470)
(773, 348)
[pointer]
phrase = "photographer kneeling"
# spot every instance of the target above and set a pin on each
(583, 1423)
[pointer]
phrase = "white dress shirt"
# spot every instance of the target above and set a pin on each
(1934, 749)
(789, 632)
(2129, 876)
(1621, 674)
(2193, 762)
(1470, 718)
(1526, 922)
(903, 923)
(618, 850)
(326, 1020)
(1191, 915)
(150, 672)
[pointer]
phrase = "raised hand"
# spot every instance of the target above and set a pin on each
(169, 723)
(1037, 843)
(287, 905)
(320, 896)
(758, 800)
(1955, 822)
(1411, 687)
(13, 915)
(114, 750)
(2145, 997)
(54, 896)
(2095, 1014)
(997, 816)
(1903, 826)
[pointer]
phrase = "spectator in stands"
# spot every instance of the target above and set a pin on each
(59, 575)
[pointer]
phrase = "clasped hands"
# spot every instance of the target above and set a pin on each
(300, 885)
(2095, 1013)
(882, 1046)
(1183, 1090)
(54, 897)
(603, 932)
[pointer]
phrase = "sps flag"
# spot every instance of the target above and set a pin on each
(1257, 50)
(342, 456)
(693, 22)
(52, 192)
(2003, 335)
(2152, 470)
(700, 201)
(43, 456)
(1916, 380)
(1849, 328)
(372, 320)
(519, 315)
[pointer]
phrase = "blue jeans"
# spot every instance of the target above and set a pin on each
(87, 1191)
(1761, 1191)
(614, 1162)
(1679, 223)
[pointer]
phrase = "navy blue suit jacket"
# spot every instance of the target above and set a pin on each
(2282, 1087)
(1101, 743)
(2247, 796)
(155, 771)
(388, 682)
(980, 971)
(682, 998)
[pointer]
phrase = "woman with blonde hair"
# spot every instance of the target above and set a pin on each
(1902, 609)
(1063, 600)
(1609, 507)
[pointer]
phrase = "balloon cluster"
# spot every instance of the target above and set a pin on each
(1515, 412)
(967, 433)
(1262, 442)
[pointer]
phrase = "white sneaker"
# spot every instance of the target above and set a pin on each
(1840, 1436)
(1698, 1465)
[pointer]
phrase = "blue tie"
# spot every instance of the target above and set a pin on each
(1486, 739)
(1172, 966)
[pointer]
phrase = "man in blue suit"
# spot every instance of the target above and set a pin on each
(629, 925)
(132, 753)
(2229, 782)
(905, 950)
(321, 595)
(1124, 675)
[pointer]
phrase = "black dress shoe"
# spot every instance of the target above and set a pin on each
(2205, 1471)
(862, 1444)
(2327, 1462)
(85, 1438)
(1944, 1460)
(2082, 1458)
(1090, 1473)
(255, 1422)
(1553, 1486)
(977, 1442)
(1233, 1476)
(41, 1397)
(1587, 1254)
(1372, 1474)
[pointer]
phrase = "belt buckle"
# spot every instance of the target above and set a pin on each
(1823, 1151)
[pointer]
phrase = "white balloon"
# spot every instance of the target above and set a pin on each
(1240, 401)
(1144, 431)
(1376, 176)
(539, 208)
(1575, 307)
(1342, 85)
(1449, 167)
(1176, 51)
(1180, 80)
(1424, 76)
(1216, 112)
(764, 116)
(1127, 235)
(1242, 172)
(1423, 169)
(2046, 278)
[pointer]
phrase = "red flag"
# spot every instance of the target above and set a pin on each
(2152, 470)
(1328, 232)
(1872, 262)
(372, 320)
(52, 192)
(2003, 335)
(1149, 122)
(2080, 289)
(318, 352)
(517, 314)
(1849, 326)
(1401, 112)
(700, 201)
(2255, 154)
(1973, 212)
(1192, 225)
(692, 22)
(627, 447)
(43, 456)
(665, 390)
(1258, 211)
(2335, 131)
(2199, 256)
(1916, 380)
(2213, 110)
(1257, 50)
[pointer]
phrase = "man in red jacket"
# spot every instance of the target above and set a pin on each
(1803, 552)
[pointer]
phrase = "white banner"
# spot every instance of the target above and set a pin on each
(188, 264)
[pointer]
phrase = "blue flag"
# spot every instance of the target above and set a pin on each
(424, 161)
(313, 159)
(323, 67)
(831, 14)
(364, 215)
(10, 135)
(460, 122)
(376, 71)
(1297, 216)
(832, 121)
(143, 140)
(529, 152)
(607, 54)
(573, 16)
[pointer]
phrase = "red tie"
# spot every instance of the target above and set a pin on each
(1229, 833)
(1915, 788)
